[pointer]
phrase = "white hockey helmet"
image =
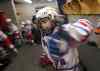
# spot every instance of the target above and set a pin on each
(23, 23)
(46, 12)
(28, 22)
(21, 26)
(80, 30)
(8, 20)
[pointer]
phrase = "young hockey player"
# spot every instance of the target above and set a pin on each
(60, 42)
(13, 31)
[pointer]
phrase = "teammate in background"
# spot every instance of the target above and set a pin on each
(13, 32)
(36, 31)
(26, 29)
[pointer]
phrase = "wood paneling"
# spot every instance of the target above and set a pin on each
(82, 7)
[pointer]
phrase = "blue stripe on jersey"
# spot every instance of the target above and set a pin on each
(56, 35)
(53, 47)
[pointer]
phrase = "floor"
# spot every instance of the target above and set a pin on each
(28, 56)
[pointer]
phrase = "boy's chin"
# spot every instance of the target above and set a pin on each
(47, 28)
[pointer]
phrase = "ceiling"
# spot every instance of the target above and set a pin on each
(34, 1)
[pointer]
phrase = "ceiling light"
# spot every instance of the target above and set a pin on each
(50, 0)
(28, 1)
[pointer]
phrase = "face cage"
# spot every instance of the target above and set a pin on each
(39, 21)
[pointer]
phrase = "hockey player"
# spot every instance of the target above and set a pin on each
(26, 30)
(13, 30)
(60, 42)
(28, 27)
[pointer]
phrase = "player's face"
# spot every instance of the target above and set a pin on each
(46, 24)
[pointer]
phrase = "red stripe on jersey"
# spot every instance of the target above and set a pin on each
(82, 23)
